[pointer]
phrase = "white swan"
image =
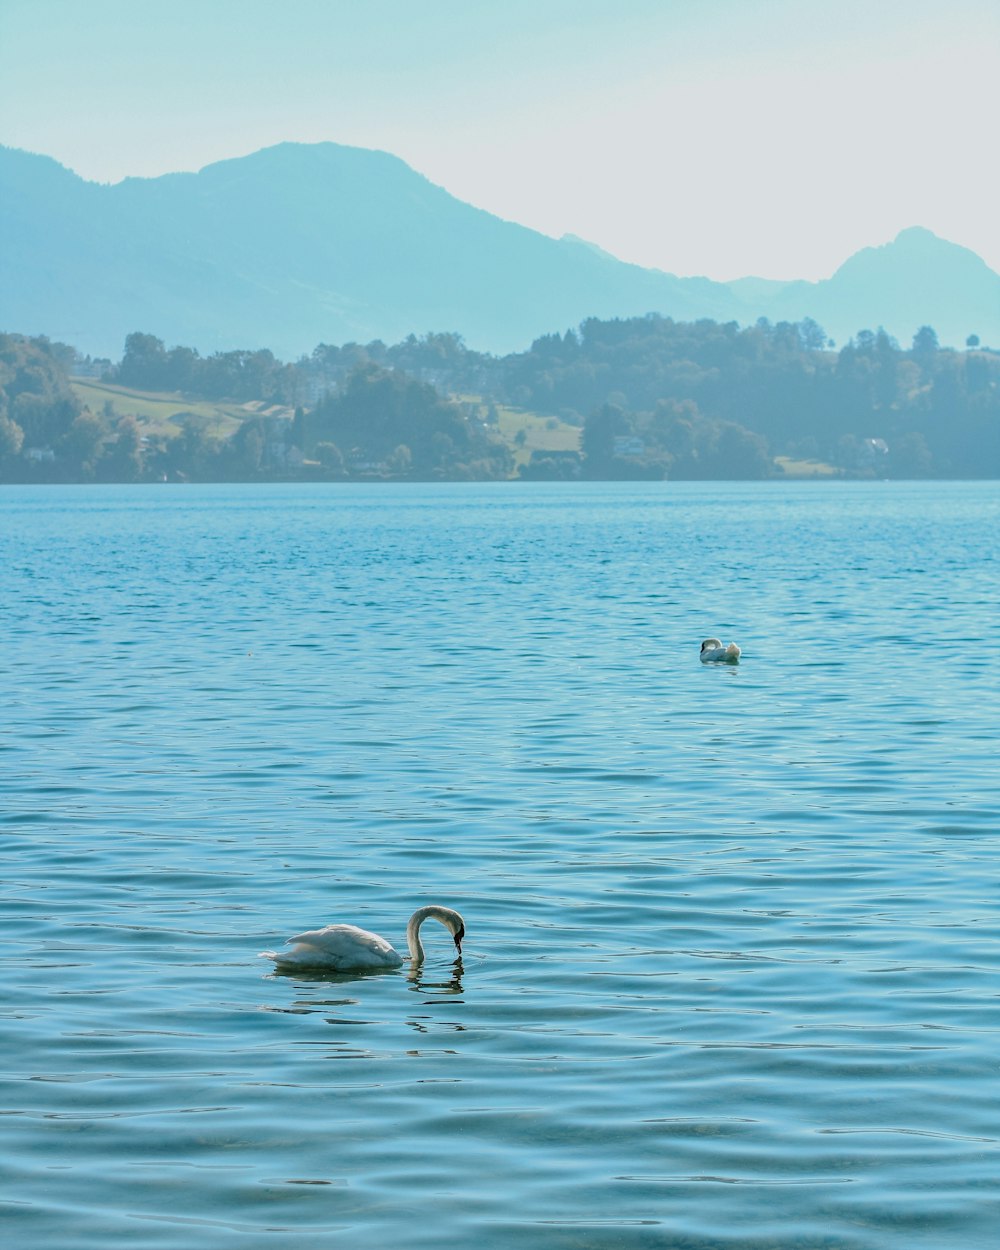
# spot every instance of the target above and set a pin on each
(713, 652)
(346, 948)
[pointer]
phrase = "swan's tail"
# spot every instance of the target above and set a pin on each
(300, 956)
(733, 652)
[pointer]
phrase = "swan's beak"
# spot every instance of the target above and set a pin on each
(458, 940)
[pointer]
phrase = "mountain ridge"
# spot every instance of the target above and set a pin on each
(298, 244)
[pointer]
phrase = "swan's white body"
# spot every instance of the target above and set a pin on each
(346, 948)
(713, 652)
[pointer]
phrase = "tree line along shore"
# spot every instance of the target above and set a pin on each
(642, 398)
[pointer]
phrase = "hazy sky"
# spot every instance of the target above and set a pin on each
(717, 137)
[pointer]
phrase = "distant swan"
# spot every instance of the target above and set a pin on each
(346, 948)
(713, 652)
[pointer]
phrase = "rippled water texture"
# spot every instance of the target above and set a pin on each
(731, 974)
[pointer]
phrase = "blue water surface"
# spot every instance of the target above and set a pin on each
(732, 973)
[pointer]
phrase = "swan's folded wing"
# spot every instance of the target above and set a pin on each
(342, 945)
(316, 937)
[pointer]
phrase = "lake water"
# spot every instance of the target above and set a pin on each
(732, 972)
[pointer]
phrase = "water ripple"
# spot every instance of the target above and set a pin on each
(730, 975)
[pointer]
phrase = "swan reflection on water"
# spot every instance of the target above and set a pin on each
(426, 981)
(423, 980)
(436, 987)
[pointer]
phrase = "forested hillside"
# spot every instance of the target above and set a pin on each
(650, 398)
(710, 400)
(46, 433)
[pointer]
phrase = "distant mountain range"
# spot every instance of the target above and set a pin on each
(306, 243)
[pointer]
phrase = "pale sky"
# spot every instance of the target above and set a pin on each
(715, 137)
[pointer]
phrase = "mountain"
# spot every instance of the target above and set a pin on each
(918, 279)
(306, 243)
(292, 246)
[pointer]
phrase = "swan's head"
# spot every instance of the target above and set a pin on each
(455, 925)
(711, 643)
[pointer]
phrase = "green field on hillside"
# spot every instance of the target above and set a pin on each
(524, 432)
(804, 468)
(539, 433)
(160, 414)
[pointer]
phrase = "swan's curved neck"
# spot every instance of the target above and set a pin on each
(413, 928)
